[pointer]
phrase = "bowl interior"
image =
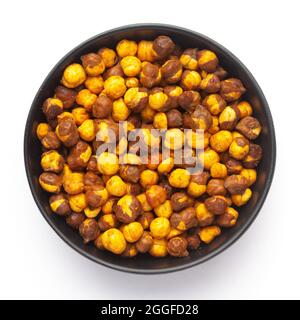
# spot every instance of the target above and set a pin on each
(185, 39)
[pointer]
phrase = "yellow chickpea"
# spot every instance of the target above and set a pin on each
(107, 208)
(208, 234)
(148, 178)
(164, 210)
(250, 175)
(108, 163)
(113, 240)
(91, 213)
(132, 231)
(143, 200)
(132, 82)
(78, 202)
(158, 100)
(210, 157)
(80, 115)
(218, 170)
(120, 111)
(126, 48)
(74, 75)
(42, 130)
(115, 87)
(94, 84)
(239, 148)
(160, 121)
(174, 233)
(160, 227)
(204, 216)
(73, 182)
(241, 199)
(145, 51)
(166, 166)
(221, 140)
(86, 99)
(245, 109)
(52, 161)
(116, 186)
(131, 66)
(87, 130)
(159, 248)
(148, 114)
(197, 140)
(179, 178)
(108, 56)
(174, 139)
(190, 80)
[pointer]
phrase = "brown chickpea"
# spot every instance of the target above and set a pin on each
(200, 118)
(162, 47)
(67, 133)
(216, 187)
(197, 185)
(239, 148)
(145, 219)
(96, 196)
(177, 247)
(216, 204)
(189, 100)
(232, 89)
(79, 155)
(204, 217)
(228, 118)
(113, 71)
(93, 64)
(136, 99)
(150, 75)
(75, 219)
(52, 107)
(156, 195)
(184, 220)
(171, 71)
(254, 156)
(215, 103)
(130, 251)
(249, 127)
(50, 182)
(89, 230)
(207, 60)
(128, 208)
(60, 204)
(66, 95)
(236, 184)
(145, 242)
(189, 59)
(211, 83)
(241, 199)
(180, 201)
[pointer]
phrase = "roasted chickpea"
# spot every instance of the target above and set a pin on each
(174, 139)
(75, 219)
(73, 183)
(159, 248)
(216, 187)
(126, 48)
(108, 163)
(250, 175)
(173, 119)
(148, 178)
(164, 210)
(156, 195)
(145, 242)
(63, 116)
(52, 161)
(50, 182)
(136, 99)
(91, 212)
(174, 233)
(113, 240)
(131, 66)
(107, 221)
(218, 170)
(204, 217)
(150, 75)
(102, 107)
(52, 107)
(177, 247)
(162, 47)
(108, 56)
(113, 71)
(160, 120)
(128, 208)
(214, 103)
(94, 84)
(116, 186)
(249, 127)
(188, 100)
(210, 157)
(233, 166)
(74, 75)
(78, 202)
(86, 99)
(145, 219)
(60, 204)
(87, 130)
(211, 83)
(79, 156)
(93, 64)
(254, 156)
(67, 132)
(189, 59)
(228, 219)
(96, 196)
(239, 148)
(132, 231)
(221, 141)
(66, 95)
(200, 118)
(42, 130)
(245, 109)
(89, 230)
(145, 51)
(193, 241)
(236, 184)
(197, 185)
(115, 87)
(216, 204)
(179, 178)
(241, 199)
(207, 60)
(190, 80)
(108, 206)
(232, 89)
(120, 111)
(130, 251)
(160, 227)
(80, 115)
(184, 220)
(166, 166)
(180, 201)
(132, 82)
(228, 118)
(208, 234)
(171, 71)
(158, 100)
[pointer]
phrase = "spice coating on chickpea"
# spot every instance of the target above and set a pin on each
(141, 196)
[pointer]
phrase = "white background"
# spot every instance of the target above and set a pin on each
(35, 263)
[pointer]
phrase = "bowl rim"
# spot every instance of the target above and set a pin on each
(226, 244)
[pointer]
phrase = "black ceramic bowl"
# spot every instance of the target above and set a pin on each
(144, 263)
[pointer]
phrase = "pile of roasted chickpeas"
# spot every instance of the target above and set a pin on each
(157, 208)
